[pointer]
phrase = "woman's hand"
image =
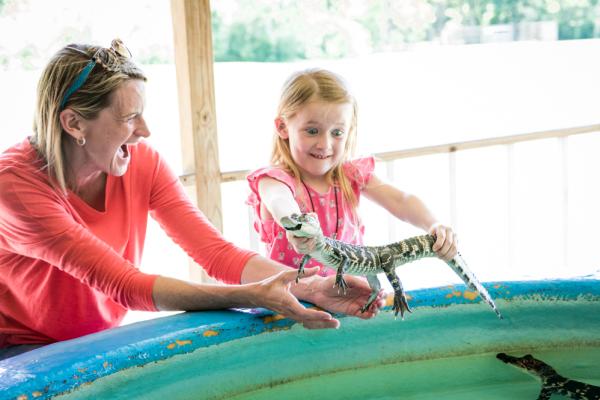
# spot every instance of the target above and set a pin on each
(446, 241)
(274, 293)
(322, 292)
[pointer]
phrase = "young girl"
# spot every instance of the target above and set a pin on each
(311, 171)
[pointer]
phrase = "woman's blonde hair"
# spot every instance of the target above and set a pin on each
(88, 100)
(304, 87)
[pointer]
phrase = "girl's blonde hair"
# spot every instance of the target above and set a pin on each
(62, 71)
(315, 85)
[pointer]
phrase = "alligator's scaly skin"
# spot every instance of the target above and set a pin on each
(370, 260)
(552, 382)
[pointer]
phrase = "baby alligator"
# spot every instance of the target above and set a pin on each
(552, 382)
(371, 260)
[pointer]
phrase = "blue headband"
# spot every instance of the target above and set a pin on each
(79, 81)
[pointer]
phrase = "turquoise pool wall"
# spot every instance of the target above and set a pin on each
(446, 322)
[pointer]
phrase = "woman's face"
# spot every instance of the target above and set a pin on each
(118, 126)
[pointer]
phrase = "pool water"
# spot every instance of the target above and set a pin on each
(458, 378)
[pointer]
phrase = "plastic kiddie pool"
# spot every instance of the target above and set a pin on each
(445, 349)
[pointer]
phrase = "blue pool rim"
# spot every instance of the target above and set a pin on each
(64, 366)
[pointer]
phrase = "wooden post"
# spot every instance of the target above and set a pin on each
(195, 82)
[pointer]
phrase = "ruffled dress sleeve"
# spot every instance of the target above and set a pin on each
(359, 171)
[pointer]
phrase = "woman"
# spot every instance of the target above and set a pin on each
(74, 202)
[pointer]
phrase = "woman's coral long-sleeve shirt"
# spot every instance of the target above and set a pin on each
(67, 269)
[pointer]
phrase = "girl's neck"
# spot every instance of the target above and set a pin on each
(321, 186)
(337, 206)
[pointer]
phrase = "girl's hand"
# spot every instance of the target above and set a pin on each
(446, 241)
(274, 293)
(302, 245)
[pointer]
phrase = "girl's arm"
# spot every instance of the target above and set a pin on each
(411, 209)
(279, 202)
(277, 198)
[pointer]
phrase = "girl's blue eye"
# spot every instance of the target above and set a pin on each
(312, 131)
(337, 132)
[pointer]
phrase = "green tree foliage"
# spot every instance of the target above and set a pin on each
(289, 30)
(255, 39)
(576, 21)
(285, 30)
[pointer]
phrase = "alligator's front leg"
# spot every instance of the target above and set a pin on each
(400, 302)
(340, 282)
(545, 394)
(375, 288)
(301, 267)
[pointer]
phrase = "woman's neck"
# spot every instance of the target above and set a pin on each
(93, 192)
(87, 183)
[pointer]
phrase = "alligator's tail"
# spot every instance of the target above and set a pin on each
(459, 266)
(418, 247)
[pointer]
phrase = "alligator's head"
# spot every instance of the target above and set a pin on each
(529, 363)
(304, 225)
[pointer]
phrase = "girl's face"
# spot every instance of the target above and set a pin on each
(116, 127)
(317, 135)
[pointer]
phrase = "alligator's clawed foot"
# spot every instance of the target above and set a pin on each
(366, 306)
(400, 305)
(303, 262)
(340, 282)
(371, 299)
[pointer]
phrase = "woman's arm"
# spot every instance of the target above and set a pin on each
(272, 293)
(35, 223)
(271, 285)
(409, 208)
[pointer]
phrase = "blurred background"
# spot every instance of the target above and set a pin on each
(425, 73)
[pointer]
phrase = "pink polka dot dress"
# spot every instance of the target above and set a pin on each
(335, 214)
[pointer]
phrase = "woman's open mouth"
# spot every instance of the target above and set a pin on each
(123, 151)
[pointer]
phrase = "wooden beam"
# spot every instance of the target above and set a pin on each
(192, 34)
(195, 82)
